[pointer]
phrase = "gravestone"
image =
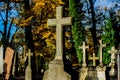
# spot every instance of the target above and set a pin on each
(113, 52)
(84, 69)
(1, 60)
(101, 46)
(56, 67)
(94, 58)
(8, 61)
(28, 71)
(84, 53)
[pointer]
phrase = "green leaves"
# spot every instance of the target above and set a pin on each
(108, 38)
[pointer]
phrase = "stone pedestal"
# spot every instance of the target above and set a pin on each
(28, 73)
(83, 73)
(101, 72)
(56, 71)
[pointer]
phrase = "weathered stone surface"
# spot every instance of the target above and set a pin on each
(56, 67)
(56, 71)
(1, 59)
(28, 73)
(101, 72)
(83, 73)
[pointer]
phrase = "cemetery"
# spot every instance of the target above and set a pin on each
(59, 40)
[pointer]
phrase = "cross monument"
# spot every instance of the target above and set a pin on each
(94, 59)
(56, 67)
(84, 54)
(112, 52)
(101, 46)
(28, 72)
(59, 22)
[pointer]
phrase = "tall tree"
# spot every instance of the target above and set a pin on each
(75, 8)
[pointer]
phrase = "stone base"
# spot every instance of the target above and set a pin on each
(28, 73)
(56, 71)
(101, 72)
(83, 73)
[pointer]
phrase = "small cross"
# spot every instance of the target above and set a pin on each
(94, 59)
(101, 46)
(112, 52)
(59, 22)
(29, 57)
(84, 55)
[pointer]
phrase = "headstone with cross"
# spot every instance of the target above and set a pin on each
(113, 52)
(58, 72)
(28, 71)
(94, 58)
(101, 46)
(59, 22)
(84, 53)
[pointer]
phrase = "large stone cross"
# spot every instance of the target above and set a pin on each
(101, 46)
(59, 22)
(94, 59)
(29, 57)
(84, 55)
(112, 52)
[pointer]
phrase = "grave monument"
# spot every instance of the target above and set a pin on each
(84, 69)
(56, 67)
(101, 69)
(28, 71)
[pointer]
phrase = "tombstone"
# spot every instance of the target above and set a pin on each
(113, 52)
(56, 67)
(1, 60)
(84, 69)
(28, 71)
(84, 54)
(101, 46)
(8, 61)
(94, 59)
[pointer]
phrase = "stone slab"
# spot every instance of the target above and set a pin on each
(1, 60)
(56, 71)
(28, 73)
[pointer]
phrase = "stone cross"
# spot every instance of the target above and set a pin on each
(101, 46)
(29, 57)
(94, 59)
(112, 52)
(84, 54)
(28, 72)
(59, 22)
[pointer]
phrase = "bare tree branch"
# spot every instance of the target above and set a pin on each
(2, 17)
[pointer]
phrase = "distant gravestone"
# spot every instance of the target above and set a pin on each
(101, 46)
(1, 59)
(94, 58)
(56, 67)
(101, 72)
(8, 61)
(84, 53)
(28, 71)
(84, 70)
(113, 52)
